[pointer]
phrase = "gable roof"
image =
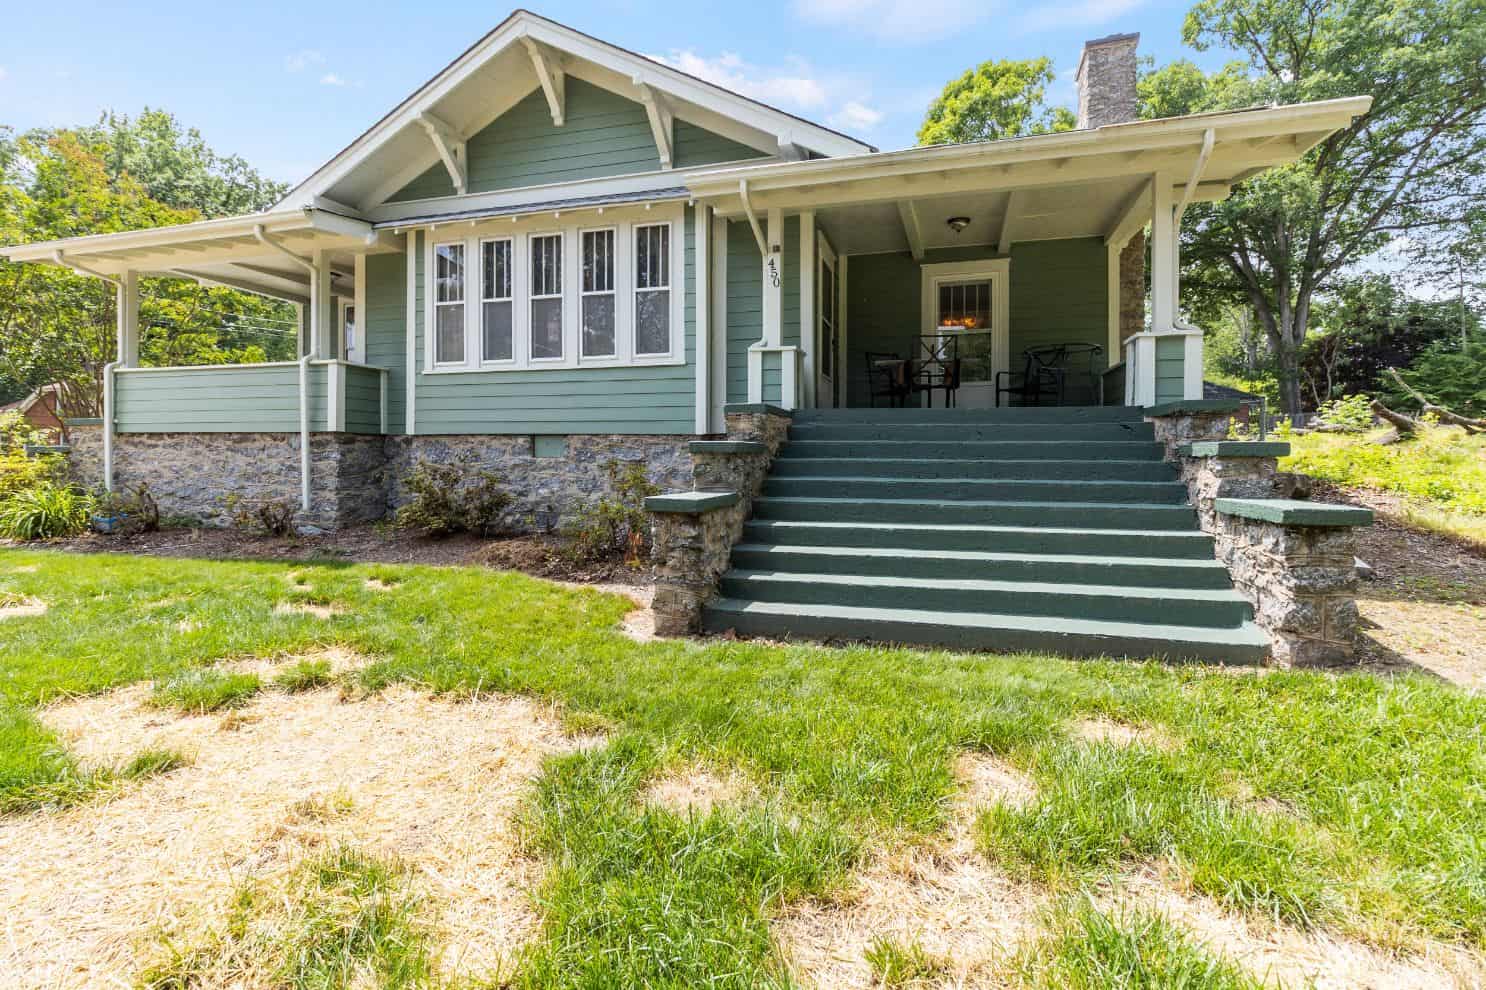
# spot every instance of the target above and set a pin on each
(396, 148)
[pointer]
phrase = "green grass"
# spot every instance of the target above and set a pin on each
(202, 690)
(304, 675)
(850, 747)
(1086, 949)
(346, 919)
(901, 965)
(1441, 473)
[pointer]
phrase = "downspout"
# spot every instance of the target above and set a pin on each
(108, 372)
(755, 351)
(304, 363)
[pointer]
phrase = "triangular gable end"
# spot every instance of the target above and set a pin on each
(531, 67)
(603, 134)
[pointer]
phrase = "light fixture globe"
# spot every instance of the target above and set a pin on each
(958, 224)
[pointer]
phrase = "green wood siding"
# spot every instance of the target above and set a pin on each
(363, 400)
(1058, 295)
(657, 399)
(1170, 358)
(603, 134)
(385, 329)
(249, 399)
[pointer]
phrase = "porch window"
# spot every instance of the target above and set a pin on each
(449, 303)
(546, 297)
(598, 338)
(496, 330)
(965, 305)
(653, 289)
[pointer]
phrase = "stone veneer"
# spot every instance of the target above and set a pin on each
(1298, 569)
(355, 478)
(693, 533)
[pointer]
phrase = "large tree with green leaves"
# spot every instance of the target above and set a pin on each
(1414, 166)
(59, 327)
(996, 99)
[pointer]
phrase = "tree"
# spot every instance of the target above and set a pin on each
(1413, 165)
(996, 99)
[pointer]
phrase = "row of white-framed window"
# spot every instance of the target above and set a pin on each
(511, 301)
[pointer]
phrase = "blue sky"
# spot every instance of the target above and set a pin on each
(286, 85)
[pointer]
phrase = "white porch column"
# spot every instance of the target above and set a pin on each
(807, 308)
(703, 316)
(321, 318)
(1163, 257)
(127, 293)
(773, 306)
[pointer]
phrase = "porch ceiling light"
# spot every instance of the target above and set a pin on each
(958, 224)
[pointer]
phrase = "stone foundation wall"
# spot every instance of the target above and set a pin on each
(1302, 581)
(547, 491)
(358, 478)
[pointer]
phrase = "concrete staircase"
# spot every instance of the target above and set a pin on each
(1006, 529)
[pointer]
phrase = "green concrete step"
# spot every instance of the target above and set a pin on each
(1014, 414)
(981, 489)
(1189, 544)
(1207, 607)
(968, 432)
(982, 450)
(1083, 515)
(1147, 572)
(1244, 643)
(1087, 470)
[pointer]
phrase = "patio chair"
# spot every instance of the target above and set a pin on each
(938, 366)
(1047, 372)
(887, 377)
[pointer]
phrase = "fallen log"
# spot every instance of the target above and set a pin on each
(1444, 415)
(1403, 426)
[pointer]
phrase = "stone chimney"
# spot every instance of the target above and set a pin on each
(1106, 81)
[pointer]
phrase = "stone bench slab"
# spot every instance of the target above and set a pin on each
(1193, 407)
(1292, 512)
(691, 503)
(1236, 448)
(728, 447)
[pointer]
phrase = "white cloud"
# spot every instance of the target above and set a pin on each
(302, 59)
(793, 86)
(3, 73)
(906, 21)
(856, 117)
(331, 79)
(1086, 13)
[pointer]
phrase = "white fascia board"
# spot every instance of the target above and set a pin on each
(523, 24)
(1176, 133)
(613, 185)
(160, 237)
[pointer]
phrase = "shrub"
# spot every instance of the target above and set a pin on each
(445, 500)
(135, 511)
(274, 516)
(1351, 414)
(46, 509)
(614, 526)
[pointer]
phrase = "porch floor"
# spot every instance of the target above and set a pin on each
(1031, 528)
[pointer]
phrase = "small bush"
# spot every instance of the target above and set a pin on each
(446, 500)
(274, 516)
(1351, 414)
(136, 511)
(202, 690)
(614, 526)
(45, 510)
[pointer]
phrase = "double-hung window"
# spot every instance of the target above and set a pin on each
(546, 297)
(599, 337)
(497, 327)
(653, 290)
(448, 307)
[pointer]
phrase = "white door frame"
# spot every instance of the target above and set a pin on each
(354, 354)
(826, 385)
(997, 271)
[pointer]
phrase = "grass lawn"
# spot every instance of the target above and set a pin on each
(1353, 805)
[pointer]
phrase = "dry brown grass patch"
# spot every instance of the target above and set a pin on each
(319, 610)
(431, 782)
(342, 659)
(377, 584)
(942, 895)
(698, 789)
(20, 606)
(1285, 955)
(1106, 730)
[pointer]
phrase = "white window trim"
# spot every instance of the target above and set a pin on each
(520, 232)
(619, 267)
(430, 326)
(481, 299)
(995, 270)
(352, 355)
(565, 294)
(656, 357)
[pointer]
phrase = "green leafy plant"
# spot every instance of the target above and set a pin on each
(134, 511)
(1350, 414)
(614, 526)
(446, 500)
(45, 510)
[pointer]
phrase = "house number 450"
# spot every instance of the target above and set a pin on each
(773, 266)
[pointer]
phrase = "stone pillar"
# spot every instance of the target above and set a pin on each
(1132, 291)
(1106, 81)
(1180, 423)
(692, 537)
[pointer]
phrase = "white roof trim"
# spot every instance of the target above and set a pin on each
(522, 26)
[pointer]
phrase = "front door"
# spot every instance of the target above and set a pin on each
(967, 301)
(827, 340)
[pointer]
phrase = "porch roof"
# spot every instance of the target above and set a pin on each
(249, 252)
(1068, 184)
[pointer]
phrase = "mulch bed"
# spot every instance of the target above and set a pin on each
(537, 555)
